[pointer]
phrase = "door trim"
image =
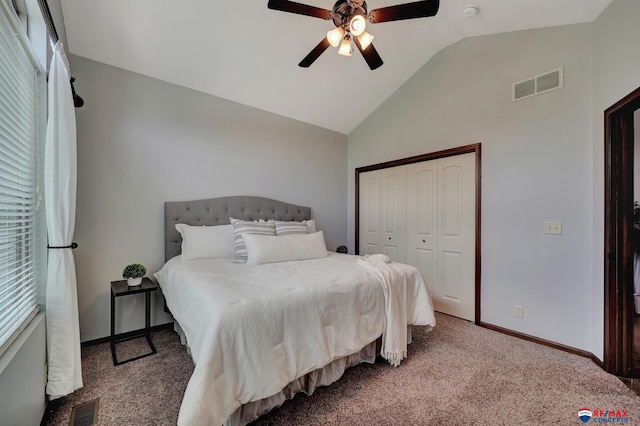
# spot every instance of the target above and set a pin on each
(618, 235)
(475, 148)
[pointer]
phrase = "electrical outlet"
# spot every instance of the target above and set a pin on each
(518, 311)
(553, 228)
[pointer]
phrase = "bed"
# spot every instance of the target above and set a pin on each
(266, 316)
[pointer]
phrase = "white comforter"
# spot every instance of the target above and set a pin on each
(252, 329)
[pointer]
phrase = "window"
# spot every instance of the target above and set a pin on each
(20, 254)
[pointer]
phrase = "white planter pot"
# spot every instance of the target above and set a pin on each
(132, 282)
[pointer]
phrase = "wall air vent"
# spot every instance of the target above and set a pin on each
(536, 85)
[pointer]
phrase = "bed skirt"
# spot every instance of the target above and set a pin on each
(307, 383)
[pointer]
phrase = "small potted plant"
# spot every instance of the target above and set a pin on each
(134, 274)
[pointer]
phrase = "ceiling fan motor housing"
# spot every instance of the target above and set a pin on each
(343, 10)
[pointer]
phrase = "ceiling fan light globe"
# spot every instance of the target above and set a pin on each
(345, 48)
(334, 37)
(357, 25)
(365, 40)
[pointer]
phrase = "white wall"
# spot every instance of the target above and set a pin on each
(142, 142)
(536, 167)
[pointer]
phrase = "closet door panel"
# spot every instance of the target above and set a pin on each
(450, 200)
(422, 223)
(451, 283)
(393, 210)
(456, 235)
(369, 217)
(423, 259)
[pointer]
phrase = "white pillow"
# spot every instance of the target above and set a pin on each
(201, 242)
(270, 248)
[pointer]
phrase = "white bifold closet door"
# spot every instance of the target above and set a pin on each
(441, 235)
(383, 213)
(429, 208)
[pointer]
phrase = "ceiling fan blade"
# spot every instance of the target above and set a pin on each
(299, 8)
(370, 55)
(315, 53)
(418, 9)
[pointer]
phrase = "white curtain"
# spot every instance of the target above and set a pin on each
(60, 173)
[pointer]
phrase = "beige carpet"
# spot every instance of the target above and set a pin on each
(457, 374)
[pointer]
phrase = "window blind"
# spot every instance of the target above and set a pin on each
(19, 256)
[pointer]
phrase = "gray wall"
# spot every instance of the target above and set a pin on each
(616, 73)
(542, 159)
(142, 142)
(22, 377)
(536, 167)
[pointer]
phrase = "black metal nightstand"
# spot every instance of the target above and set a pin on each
(118, 289)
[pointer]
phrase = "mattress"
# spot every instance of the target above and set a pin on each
(254, 329)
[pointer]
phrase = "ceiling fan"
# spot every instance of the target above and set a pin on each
(350, 18)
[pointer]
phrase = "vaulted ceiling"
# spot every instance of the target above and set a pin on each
(247, 53)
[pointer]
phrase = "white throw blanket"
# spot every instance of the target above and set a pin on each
(394, 284)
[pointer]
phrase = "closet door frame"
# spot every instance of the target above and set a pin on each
(473, 148)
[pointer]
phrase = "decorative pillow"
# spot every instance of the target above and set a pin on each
(311, 225)
(289, 228)
(267, 249)
(200, 242)
(241, 227)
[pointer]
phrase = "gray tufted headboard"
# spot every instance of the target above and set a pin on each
(216, 211)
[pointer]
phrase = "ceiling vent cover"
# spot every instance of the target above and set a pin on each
(536, 85)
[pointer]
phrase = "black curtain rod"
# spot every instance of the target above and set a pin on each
(53, 35)
(51, 27)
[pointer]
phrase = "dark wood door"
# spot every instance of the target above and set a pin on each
(618, 239)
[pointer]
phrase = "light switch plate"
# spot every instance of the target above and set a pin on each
(553, 228)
